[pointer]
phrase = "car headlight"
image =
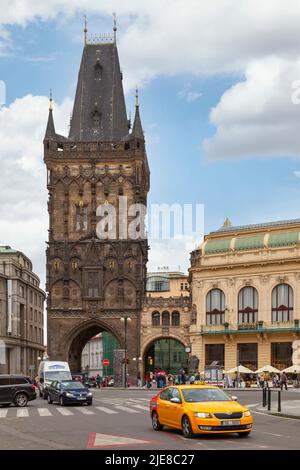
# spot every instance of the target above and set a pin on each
(89, 394)
(247, 413)
(198, 414)
(68, 394)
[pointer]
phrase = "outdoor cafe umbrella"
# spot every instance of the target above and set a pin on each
(268, 368)
(240, 369)
(292, 369)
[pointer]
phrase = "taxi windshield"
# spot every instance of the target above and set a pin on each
(194, 395)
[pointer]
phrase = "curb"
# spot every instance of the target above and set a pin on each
(274, 413)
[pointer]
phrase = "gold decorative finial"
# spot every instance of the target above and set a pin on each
(85, 30)
(136, 96)
(115, 28)
(227, 222)
(50, 100)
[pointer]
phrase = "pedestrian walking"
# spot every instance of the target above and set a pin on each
(294, 379)
(98, 381)
(139, 380)
(283, 381)
(183, 377)
(192, 379)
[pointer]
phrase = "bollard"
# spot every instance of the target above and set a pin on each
(269, 399)
(279, 401)
(264, 397)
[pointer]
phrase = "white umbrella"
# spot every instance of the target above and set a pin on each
(268, 368)
(292, 369)
(241, 370)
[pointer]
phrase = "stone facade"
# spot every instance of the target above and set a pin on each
(21, 314)
(261, 257)
(92, 282)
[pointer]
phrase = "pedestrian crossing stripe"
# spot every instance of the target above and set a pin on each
(22, 413)
(44, 412)
(106, 410)
(64, 411)
(31, 411)
(128, 410)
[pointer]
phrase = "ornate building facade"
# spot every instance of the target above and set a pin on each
(245, 287)
(21, 314)
(95, 282)
(166, 319)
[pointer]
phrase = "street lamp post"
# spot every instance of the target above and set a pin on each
(125, 320)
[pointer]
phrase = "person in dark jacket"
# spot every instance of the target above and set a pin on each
(283, 381)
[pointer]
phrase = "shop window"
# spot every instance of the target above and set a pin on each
(214, 353)
(247, 355)
(281, 355)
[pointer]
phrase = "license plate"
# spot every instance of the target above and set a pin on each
(80, 398)
(230, 423)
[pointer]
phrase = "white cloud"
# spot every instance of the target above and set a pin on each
(257, 116)
(297, 174)
(23, 209)
(169, 252)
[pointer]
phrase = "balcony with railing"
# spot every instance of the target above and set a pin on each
(260, 326)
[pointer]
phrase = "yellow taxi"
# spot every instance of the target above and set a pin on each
(199, 409)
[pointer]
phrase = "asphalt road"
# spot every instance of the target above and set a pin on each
(119, 419)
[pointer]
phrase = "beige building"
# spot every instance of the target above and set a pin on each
(21, 314)
(165, 321)
(245, 286)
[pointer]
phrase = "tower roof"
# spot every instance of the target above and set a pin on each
(99, 111)
(50, 129)
(137, 129)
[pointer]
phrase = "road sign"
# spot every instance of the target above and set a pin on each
(105, 362)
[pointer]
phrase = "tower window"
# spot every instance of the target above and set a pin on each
(92, 284)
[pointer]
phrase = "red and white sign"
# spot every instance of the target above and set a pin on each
(105, 362)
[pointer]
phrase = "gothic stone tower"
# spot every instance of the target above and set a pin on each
(92, 283)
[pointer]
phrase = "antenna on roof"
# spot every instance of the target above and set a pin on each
(115, 28)
(50, 100)
(85, 30)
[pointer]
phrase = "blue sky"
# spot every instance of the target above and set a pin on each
(45, 53)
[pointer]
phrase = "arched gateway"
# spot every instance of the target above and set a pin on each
(93, 282)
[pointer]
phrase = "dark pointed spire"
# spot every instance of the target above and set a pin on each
(137, 130)
(50, 129)
(100, 81)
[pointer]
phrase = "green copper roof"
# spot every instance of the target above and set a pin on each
(7, 249)
(253, 242)
(249, 243)
(217, 246)
(283, 239)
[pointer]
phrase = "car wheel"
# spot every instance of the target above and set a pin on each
(50, 401)
(21, 399)
(244, 434)
(61, 401)
(155, 422)
(186, 427)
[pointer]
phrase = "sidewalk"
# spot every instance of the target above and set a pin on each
(289, 409)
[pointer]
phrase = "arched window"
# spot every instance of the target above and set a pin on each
(155, 318)
(282, 303)
(215, 307)
(248, 305)
(175, 319)
(165, 319)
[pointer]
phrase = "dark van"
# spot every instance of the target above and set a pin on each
(16, 389)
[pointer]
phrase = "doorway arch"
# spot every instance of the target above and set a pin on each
(79, 336)
(166, 354)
